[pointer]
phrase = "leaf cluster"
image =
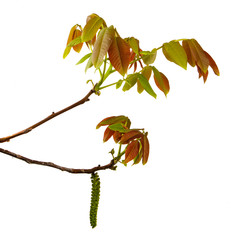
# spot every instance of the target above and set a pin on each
(135, 140)
(121, 54)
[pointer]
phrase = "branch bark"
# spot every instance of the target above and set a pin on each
(110, 165)
(53, 115)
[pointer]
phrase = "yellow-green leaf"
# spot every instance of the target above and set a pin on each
(66, 52)
(91, 28)
(149, 57)
(119, 55)
(84, 58)
(134, 44)
(146, 72)
(102, 45)
(75, 42)
(174, 52)
(130, 81)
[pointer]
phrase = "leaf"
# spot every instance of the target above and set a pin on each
(145, 148)
(130, 81)
(107, 134)
(134, 44)
(146, 85)
(66, 52)
(198, 54)
(161, 81)
(75, 42)
(119, 84)
(91, 28)
(71, 34)
(77, 47)
(190, 57)
(174, 52)
(117, 136)
(112, 120)
(84, 58)
(129, 136)
(89, 64)
(132, 150)
(146, 72)
(102, 45)
(119, 55)
(118, 127)
(149, 57)
(212, 64)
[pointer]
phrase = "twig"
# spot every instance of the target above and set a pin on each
(27, 130)
(53, 165)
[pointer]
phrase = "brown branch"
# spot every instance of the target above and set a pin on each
(53, 165)
(83, 100)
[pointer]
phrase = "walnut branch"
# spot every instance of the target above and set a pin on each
(53, 165)
(54, 114)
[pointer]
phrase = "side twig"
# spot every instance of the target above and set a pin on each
(53, 165)
(54, 114)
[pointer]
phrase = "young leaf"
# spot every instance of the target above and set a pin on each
(89, 64)
(174, 52)
(118, 127)
(119, 55)
(190, 57)
(75, 42)
(102, 45)
(161, 81)
(129, 136)
(119, 84)
(132, 150)
(146, 72)
(212, 64)
(130, 81)
(107, 134)
(66, 52)
(112, 120)
(149, 57)
(77, 47)
(84, 58)
(145, 148)
(117, 136)
(198, 54)
(91, 28)
(134, 44)
(145, 84)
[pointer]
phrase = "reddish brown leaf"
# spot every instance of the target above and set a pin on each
(117, 136)
(161, 81)
(212, 64)
(190, 57)
(107, 134)
(145, 148)
(129, 136)
(199, 55)
(119, 55)
(112, 120)
(132, 150)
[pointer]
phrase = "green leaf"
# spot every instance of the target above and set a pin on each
(119, 83)
(118, 127)
(174, 52)
(84, 58)
(102, 45)
(91, 28)
(89, 64)
(146, 72)
(149, 57)
(75, 41)
(146, 85)
(131, 80)
(112, 120)
(66, 52)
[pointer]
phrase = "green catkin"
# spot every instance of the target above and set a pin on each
(95, 195)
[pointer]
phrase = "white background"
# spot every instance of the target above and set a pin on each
(184, 192)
